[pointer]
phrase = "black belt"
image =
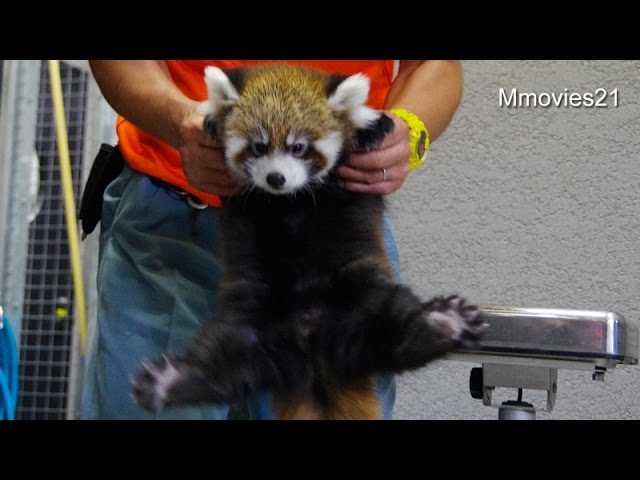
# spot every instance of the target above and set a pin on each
(106, 167)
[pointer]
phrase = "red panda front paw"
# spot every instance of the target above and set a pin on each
(455, 321)
(151, 387)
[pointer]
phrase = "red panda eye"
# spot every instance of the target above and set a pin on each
(259, 148)
(298, 149)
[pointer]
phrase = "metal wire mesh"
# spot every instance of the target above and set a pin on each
(47, 324)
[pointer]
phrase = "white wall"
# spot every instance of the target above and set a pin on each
(529, 207)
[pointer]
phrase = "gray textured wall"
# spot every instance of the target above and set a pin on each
(529, 207)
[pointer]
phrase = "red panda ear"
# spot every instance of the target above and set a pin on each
(350, 95)
(221, 89)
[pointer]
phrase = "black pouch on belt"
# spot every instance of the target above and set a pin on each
(106, 167)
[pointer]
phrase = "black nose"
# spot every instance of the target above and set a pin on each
(276, 179)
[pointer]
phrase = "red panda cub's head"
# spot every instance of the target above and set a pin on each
(284, 128)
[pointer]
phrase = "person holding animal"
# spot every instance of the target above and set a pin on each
(159, 248)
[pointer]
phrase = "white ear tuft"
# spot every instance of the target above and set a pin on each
(221, 91)
(351, 96)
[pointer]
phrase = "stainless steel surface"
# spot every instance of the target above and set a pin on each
(600, 337)
(17, 142)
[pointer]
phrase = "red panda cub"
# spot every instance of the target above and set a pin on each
(307, 309)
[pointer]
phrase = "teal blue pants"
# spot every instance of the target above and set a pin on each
(156, 282)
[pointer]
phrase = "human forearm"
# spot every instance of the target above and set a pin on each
(431, 89)
(143, 92)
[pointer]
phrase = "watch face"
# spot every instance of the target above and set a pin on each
(421, 147)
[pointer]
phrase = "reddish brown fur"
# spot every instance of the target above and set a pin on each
(358, 401)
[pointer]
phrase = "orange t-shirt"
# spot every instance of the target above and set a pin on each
(151, 156)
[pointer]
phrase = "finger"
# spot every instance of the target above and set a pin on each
(204, 175)
(222, 179)
(204, 153)
(221, 190)
(217, 187)
(379, 159)
(381, 188)
(201, 139)
(192, 130)
(203, 161)
(205, 140)
(210, 144)
(214, 168)
(369, 177)
(210, 178)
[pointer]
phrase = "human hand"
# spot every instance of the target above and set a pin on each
(365, 171)
(203, 160)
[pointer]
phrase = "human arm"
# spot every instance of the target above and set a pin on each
(144, 93)
(431, 89)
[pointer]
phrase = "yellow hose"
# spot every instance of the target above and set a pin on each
(69, 200)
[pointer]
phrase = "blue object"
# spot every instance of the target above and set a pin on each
(158, 268)
(8, 370)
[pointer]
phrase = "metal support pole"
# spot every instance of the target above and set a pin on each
(18, 179)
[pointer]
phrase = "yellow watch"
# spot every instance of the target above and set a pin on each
(418, 137)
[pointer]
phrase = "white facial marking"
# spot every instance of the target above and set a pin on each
(233, 146)
(329, 147)
(264, 135)
(294, 170)
(221, 90)
(351, 96)
(294, 137)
